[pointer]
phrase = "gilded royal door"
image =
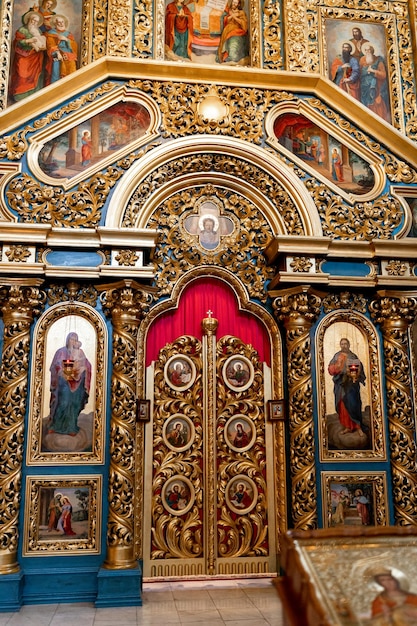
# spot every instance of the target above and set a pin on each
(207, 507)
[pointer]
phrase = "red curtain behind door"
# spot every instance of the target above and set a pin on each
(198, 298)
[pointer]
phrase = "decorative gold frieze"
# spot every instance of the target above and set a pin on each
(345, 300)
(178, 103)
(301, 264)
(396, 268)
(127, 258)
(73, 209)
(296, 36)
(99, 28)
(70, 292)
(395, 313)
(298, 308)
(19, 305)
(119, 28)
(362, 221)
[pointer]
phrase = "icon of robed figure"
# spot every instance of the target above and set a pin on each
(70, 386)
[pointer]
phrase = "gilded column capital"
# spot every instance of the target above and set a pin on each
(19, 305)
(394, 310)
(125, 301)
(297, 306)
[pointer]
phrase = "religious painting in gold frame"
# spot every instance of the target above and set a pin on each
(381, 93)
(67, 403)
(354, 499)
(62, 515)
(46, 42)
(221, 32)
(349, 387)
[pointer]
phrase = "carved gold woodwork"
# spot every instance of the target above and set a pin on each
(209, 327)
(240, 252)
(245, 535)
(19, 306)
(172, 536)
(345, 300)
(70, 292)
(125, 303)
(205, 534)
(276, 434)
(299, 57)
(362, 221)
(178, 103)
(298, 308)
(119, 29)
(143, 28)
(272, 20)
(395, 313)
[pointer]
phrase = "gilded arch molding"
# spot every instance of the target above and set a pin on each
(157, 171)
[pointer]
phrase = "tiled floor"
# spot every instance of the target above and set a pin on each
(244, 602)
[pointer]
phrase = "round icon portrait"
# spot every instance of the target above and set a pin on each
(238, 373)
(241, 494)
(179, 372)
(178, 495)
(178, 432)
(239, 433)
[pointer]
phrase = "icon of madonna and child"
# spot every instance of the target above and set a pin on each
(67, 428)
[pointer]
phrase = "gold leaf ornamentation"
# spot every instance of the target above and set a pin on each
(298, 310)
(143, 28)
(272, 35)
(395, 314)
(19, 306)
(301, 264)
(396, 268)
(177, 251)
(178, 103)
(18, 254)
(127, 257)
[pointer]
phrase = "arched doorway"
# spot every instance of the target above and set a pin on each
(211, 485)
